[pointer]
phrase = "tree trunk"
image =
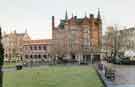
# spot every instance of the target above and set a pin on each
(1, 77)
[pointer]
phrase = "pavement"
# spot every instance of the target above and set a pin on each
(125, 76)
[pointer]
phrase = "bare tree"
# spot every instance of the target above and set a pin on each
(56, 50)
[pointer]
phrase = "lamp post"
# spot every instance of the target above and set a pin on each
(116, 41)
(91, 55)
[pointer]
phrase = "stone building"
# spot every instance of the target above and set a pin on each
(13, 45)
(35, 51)
(77, 38)
(126, 39)
(119, 40)
(108, 42)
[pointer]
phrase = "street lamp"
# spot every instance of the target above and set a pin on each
(116, 42)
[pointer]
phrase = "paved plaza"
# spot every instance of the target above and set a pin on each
(125, 76)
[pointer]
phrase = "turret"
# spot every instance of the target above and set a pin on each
(85, 15)
(26, 31)
(66, 15)
(98, 15)
(0, 34)
(91, 16)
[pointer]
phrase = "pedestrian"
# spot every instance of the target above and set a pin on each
(104, 66)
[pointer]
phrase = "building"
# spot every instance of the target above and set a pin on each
(119, 40)
(126, 39)
(108, 42)
(35, 51)
(13, 45)
(77, 38)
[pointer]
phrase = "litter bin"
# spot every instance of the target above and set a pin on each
(18, 66)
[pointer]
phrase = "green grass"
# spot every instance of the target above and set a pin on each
(62, 76)
(9, 65)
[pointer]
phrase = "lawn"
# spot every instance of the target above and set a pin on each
(9, 65)
(53, 76)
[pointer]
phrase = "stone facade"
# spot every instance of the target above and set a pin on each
(77, 38)
(13, 45)
(119, 40)
(35, 51)
(108, 43)
(126, 39)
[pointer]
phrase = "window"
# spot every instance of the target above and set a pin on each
(35, 47)
(45, 56)
(6, 55)
(39, 56)
(44, 47)
(39, 47)
(31, 56)
(26, 56)
(35, 56)
(31, 47)
(25, 47)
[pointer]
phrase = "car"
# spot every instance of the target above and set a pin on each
(125, 60)
(132, 60)
(121, 60)
(116, 60)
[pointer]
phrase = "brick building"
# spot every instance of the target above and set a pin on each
(77, 38)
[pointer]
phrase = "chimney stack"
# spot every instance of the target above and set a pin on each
(91, 16)
(53, 22)
(75, 17)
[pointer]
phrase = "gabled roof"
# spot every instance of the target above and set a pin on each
(77, 21)
(20, 34)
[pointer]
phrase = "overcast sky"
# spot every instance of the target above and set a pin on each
(35, 15)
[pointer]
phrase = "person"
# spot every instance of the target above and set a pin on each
(104, 66)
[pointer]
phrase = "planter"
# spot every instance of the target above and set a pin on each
(18, 67)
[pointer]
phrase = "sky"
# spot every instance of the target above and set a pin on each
(35, 15)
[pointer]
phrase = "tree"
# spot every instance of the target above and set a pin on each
(14, 52)
(57, 50)
(1, 59)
